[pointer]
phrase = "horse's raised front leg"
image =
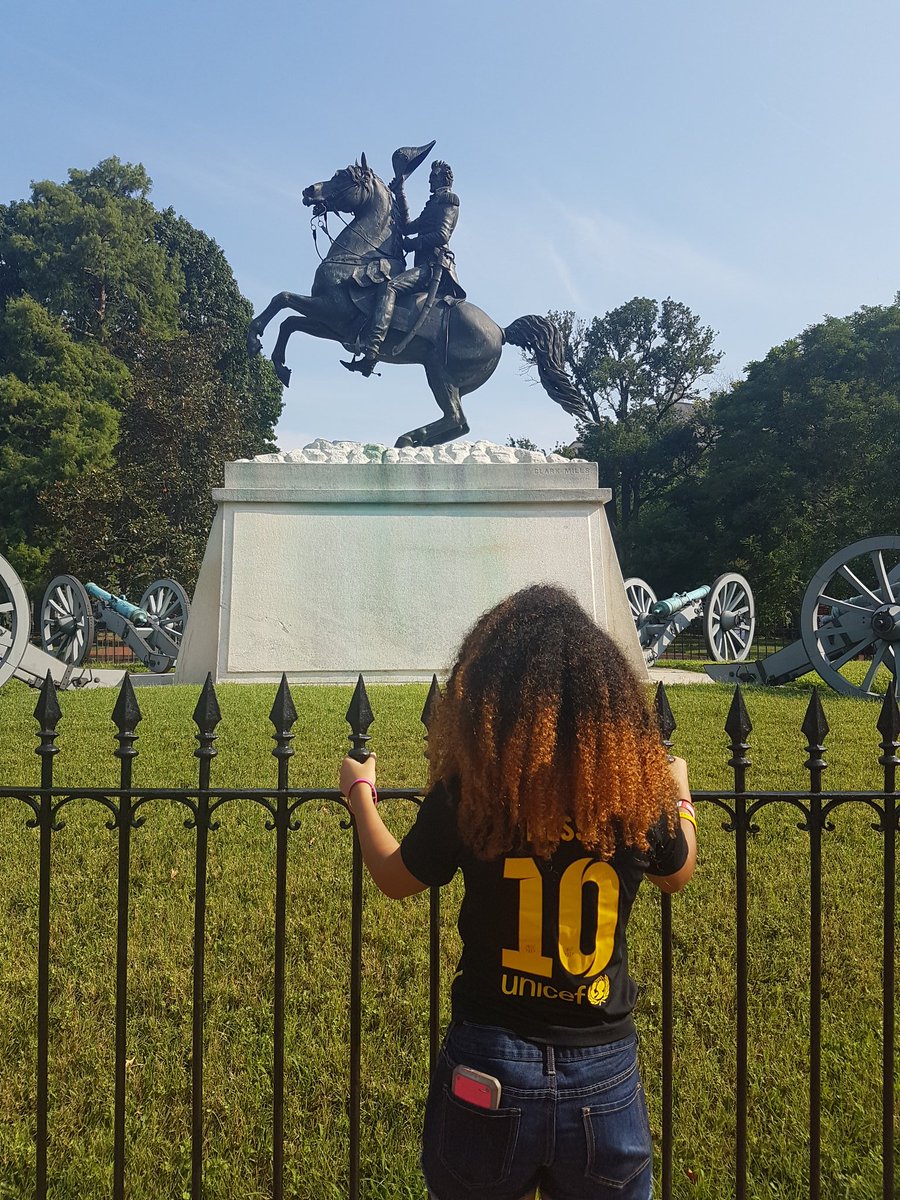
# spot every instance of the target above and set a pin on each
(301, 304)
(295, 325)
(451, 425)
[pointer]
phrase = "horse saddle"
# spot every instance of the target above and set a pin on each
(406, 311)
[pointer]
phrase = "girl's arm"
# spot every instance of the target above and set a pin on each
(380, 849)
(676, 881)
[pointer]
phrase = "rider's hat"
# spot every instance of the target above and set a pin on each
(407, 158)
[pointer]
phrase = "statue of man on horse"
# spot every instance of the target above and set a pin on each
(433, 272)
(364, 297)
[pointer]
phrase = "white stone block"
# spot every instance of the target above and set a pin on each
(325, 569)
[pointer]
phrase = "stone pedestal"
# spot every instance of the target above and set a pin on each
(323, 570)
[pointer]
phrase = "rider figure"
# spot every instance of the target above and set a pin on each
(433, 260)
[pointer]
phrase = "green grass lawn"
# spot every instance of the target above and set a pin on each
(239, 960)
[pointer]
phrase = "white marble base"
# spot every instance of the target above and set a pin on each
(323, 570)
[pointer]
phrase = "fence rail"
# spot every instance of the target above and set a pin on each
(202, 804)
(110, 651)
(690, 644)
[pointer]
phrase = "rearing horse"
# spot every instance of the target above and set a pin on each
(458, 345)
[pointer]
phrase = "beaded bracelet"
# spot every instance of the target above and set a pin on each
(368, 784)
(686, 812)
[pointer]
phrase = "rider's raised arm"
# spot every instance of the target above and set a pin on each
(396, 186)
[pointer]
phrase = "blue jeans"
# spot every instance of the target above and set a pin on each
(572, 1120)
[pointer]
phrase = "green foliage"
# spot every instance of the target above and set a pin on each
(642, 354)
(148, 514)
(86, 251)
(59, 416)
(211, 301)
(124, 380)
(637, 369)
(524, 443)
(769, 477)
(806, 454)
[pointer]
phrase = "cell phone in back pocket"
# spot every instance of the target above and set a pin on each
(475, 1087)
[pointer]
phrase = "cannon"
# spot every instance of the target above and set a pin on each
(72, 612)
(726, 608)
(31, 664)
(850, 609)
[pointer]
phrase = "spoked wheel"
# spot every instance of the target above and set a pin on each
(641, 597)
(729, 618)
(67, 620)
(167, 603)
(15, 620)
(859, 590)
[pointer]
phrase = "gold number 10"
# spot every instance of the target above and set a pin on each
(528, 954)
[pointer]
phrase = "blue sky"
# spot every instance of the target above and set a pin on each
(740, 157)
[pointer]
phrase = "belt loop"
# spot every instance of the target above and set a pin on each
(549, 1059)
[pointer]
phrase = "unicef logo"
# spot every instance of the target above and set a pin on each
(598, 992)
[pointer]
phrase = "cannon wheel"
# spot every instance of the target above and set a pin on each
(15, 620)
(167, 602)
(67, 620)
(860, 585)
(641, 598)
(729, 618)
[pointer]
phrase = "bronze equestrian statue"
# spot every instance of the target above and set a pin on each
(433, 271)
(364, 297)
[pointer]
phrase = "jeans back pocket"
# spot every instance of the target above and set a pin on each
(476, 1145)
(618, 1137)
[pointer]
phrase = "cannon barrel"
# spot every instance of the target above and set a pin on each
(119, 604)
(674, 604)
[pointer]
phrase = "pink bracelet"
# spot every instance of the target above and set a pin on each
(686, 812)
(366, 782)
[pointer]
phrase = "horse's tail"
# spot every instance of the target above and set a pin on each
(543, 339)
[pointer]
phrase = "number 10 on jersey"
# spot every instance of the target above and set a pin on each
(528, 956)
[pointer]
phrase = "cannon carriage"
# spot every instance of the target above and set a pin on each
(850, 610)
(18, 657)
(71, 613)
(726, 609)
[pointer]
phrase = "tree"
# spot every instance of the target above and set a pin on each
(210, 300)
(86, 250)
(147, 514)
(806, 454)
(59, 420)
(637, 369)
(117, 294)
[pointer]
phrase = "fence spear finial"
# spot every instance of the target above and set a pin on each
(47, 710)
(359, 718)
(127, 712)
(665, 718)
(284, 713)
(432, 703)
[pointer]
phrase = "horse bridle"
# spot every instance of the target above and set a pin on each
(321, 214)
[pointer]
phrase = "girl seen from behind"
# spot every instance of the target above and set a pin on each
(551, 792)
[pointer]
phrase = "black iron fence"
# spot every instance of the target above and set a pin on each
(739, 805)
(691, 644)
(110, 651)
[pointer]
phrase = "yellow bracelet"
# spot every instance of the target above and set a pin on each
(686, 816)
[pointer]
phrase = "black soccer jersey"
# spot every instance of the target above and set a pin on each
(544, 950)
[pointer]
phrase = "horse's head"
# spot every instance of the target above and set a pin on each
(346, 191)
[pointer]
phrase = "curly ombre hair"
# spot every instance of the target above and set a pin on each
(544, 725)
